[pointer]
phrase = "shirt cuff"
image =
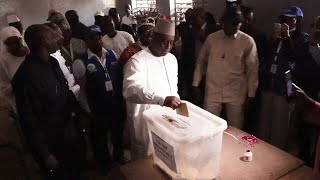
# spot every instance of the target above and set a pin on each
(159, 99)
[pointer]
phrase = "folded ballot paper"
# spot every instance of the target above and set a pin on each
(183, 110)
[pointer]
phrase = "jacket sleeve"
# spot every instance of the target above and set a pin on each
(28, 104)
(134, 89)
(252, 67)
(202, 62)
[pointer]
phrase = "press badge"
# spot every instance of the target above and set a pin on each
(273, 68)
(109, 86)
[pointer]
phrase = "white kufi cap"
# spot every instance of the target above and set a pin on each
(12, 18)
(165, 27)
(99, 13)
(10, 31)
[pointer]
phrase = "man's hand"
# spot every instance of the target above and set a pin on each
(172, 102)
(302, 100)
(51, 162)
(285, 30)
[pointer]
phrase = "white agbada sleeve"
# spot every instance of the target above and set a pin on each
(5, 82)
(134, 89)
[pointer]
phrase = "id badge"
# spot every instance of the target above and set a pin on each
(273, 68)
(109, 86)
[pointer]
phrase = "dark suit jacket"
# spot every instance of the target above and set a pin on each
(188, 57)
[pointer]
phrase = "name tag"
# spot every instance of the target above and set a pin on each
(273, 68)
(109, 86)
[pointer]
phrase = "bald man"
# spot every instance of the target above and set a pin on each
(48, 110)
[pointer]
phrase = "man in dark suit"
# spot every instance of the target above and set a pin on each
(192, 42)
(48, 110)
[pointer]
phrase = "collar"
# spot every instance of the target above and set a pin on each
(116, 33)
(91, 54)
(233, 36)
(55, 54)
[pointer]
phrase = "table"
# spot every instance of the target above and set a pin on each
(268, 163)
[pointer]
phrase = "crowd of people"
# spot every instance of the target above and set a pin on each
(65, 87)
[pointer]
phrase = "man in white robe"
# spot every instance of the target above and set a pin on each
(12, 54)
(150, 79)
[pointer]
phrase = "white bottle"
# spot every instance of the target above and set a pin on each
(248, 156)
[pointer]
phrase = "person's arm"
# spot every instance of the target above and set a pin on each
(202, 62)
(310, 107)
(134, 90)
(313, 114)
(252, 67)
(5, 85)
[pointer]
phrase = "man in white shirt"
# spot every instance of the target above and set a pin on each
(115, 40)
(75, 88)
(128, 19)
(150, 79)
(229, 59)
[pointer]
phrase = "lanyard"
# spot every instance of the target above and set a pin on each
(103, 63)
(278, 50)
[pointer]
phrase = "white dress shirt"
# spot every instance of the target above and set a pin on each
(118, 43)
(128, 20)
(9, 65)
(75, 88)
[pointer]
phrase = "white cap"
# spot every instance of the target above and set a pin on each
(99, 13)
(9, 31)
(12, 18)
(165, 27)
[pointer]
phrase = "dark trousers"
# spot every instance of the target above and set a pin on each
(307, 138)
(102, 125)
(70, 153)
